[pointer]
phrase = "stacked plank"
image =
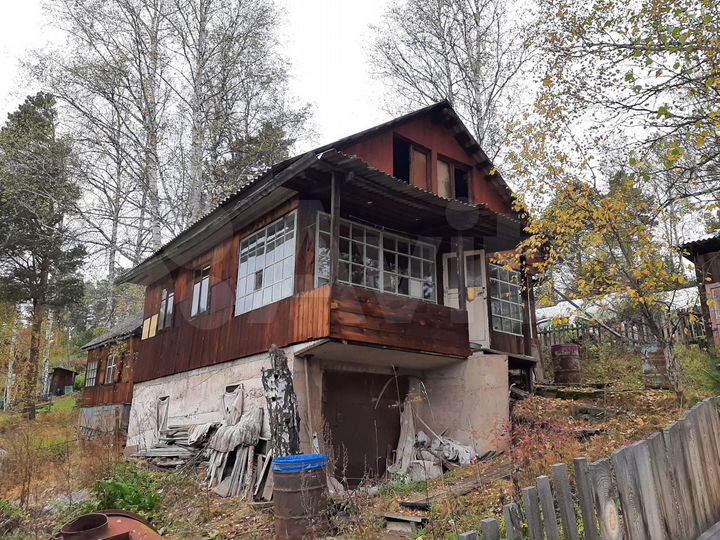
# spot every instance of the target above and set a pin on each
(665, 488)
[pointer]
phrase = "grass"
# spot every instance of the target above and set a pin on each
(64, 404)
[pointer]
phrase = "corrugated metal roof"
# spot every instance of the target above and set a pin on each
(128, 326)
(702, 245)
(330, 155)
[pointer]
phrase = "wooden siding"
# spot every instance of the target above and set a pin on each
(219, 336)
(120, 389)
(372, 317)
(377, 150)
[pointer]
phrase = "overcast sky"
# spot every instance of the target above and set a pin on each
(324, 40)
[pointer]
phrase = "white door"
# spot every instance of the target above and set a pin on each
(476, 292)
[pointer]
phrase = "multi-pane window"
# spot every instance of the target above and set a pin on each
(267, 265)
(91, 374)
(167, 305)
(377, 260)
(110, 369)
(201, 291)
(505, 300)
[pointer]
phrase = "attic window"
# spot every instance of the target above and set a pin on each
(453, 181)
(411, 163)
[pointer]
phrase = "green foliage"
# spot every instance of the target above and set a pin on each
(41, 257)
(698, 369)
(399, 487)
(613, 364)
(10, 516)
(130, 488)
(79, 382)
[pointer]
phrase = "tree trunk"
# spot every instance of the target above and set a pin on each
(282, 405)
(197, 143)
(28, 368)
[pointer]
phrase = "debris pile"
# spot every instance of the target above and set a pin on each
(236, 456)
(421, 458)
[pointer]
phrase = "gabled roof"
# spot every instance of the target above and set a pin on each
(129, 326)
(266, 191)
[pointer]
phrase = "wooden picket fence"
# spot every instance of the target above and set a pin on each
(687, 328)
(665, 488)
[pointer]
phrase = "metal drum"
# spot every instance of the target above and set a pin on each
(566, 363)
(300, 496)
(108, 525)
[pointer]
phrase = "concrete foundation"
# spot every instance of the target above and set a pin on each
(467, 400)
(104, 420)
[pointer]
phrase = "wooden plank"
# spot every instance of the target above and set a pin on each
(604, 494)
(623, 462)
(532, 513)
(548, 507)
(664, 484)
(422, 501)
(490, 529)
(513, 521)
(563, 494)
(648, 492)
(710, 437)
(688, 513)
(586, 498)
(694, 464)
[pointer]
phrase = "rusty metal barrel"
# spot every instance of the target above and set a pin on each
(300, 496)
(108, 525)
(566, 363)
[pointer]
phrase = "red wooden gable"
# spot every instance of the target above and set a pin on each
(435, 136)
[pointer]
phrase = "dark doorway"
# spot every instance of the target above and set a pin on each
(363, 414)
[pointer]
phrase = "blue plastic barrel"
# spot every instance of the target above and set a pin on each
(300, 462)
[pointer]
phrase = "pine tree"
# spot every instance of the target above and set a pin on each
(39, 255)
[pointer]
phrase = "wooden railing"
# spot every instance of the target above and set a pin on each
(665, 487)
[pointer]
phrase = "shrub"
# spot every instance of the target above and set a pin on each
(79, 382)
(130, 488)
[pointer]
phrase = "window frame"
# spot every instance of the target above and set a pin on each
(110, 368)
(453, 165)
(428, 161)
(493, 279)
(290, 236)
(167, 308)
(381, 235)
(199, 278)
(91, 367)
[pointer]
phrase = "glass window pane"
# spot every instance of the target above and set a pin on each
(287, 286)
(357, 252)
(344, 272)
(344, 229)
(403, 286)
(324, 221)
(196, 299)
(416, 288)
(204, 294)
(390, 283)
(473, 267)
(357, 274)
(403, 265)
(344, 250)
(372, 277)
(415, 267)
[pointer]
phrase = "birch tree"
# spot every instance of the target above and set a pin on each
(471, 52)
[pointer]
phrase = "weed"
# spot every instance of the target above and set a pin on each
(130, 488)
(398, 487)
(10, 516)
(699, 372)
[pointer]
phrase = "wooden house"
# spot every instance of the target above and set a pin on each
(60, 379)
(705, 255)
(347, 257)
(107, 395)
